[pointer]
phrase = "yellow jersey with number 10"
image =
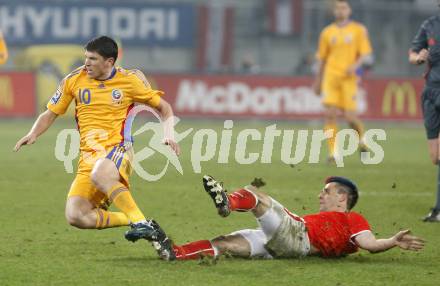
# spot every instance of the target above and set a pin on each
(102, 106)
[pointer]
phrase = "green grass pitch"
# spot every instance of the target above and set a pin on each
(38, 247)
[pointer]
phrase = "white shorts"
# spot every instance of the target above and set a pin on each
(257, 240)
(289, 240)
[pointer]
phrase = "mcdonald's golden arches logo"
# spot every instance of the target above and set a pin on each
(399, 94)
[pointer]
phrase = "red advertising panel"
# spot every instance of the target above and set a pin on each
(393, 98)
(270, 97)
(17, 94)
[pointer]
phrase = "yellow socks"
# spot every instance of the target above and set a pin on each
(106, 219)
(332, 140)
(121, 197)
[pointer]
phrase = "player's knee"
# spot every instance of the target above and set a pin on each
(78, 220)
(331, 113)
(102, 180)
(349, 118)
(330, 117)
(74, 220)
(98, 178)
(104, 175)
(220, 244)
(234, 244)
(263, 199)
(223, 244)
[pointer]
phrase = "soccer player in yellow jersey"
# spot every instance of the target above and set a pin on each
(104, 95)
(3, 50)
(343, 49)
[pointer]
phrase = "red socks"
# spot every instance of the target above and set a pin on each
(242, 200)
(194, 250)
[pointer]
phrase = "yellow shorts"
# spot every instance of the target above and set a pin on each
(340, 91)
(82, 184)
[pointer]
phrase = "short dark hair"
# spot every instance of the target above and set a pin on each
(104, 46)
(347, 186)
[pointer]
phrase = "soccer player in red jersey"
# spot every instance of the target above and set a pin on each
(333, 232)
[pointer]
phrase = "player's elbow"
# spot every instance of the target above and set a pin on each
(372, 248)
(166, 110)
(368, 61)
(368, 248)
(49, 116)
(373, 251)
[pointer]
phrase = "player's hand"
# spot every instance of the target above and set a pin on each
(26, 140)
(406, 241)
(316, 87)
(352, 69)
(258, 183)
(173, 145)
(422, 56)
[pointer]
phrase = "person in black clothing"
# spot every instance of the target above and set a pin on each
(425, 48)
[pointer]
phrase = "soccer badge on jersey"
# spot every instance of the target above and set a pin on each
(348, 38)
(117, 96)
(56, 97)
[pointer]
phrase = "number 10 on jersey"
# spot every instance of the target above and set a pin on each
(85, 96)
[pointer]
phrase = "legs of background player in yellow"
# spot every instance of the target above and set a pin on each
(333, 102)
(340, 94)
(356, 124)
(349, 91)
(105, 176)
(331, 115)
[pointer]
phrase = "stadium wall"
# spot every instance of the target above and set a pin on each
(17, 94)
(239, 96)
(271, 97)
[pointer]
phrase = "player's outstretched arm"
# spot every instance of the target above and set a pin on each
(43, 122)
(365, 61)
(402, 239)
(167, 115)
